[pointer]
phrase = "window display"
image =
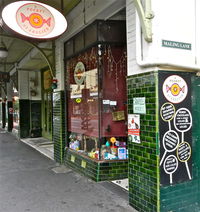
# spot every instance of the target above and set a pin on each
(96, 91)
(97, 104)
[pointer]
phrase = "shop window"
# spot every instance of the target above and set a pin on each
(91, 34)
(79, 42)
(96, 98)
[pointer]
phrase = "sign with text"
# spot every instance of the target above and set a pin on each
(175, 127)
(134, 128)
(139, 105)
(177, 45)
(34, 19)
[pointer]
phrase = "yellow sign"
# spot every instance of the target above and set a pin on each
(78, 100)
(72, 158)
(83, 164)
(47, 80)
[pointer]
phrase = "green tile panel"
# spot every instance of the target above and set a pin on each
(58, 126)
(143, 171)
(97, 170)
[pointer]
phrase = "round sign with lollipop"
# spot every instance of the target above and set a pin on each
(167, 112)
(183, 120)
(175, 89)
(184, 153)
(170, 166)
(170, 142)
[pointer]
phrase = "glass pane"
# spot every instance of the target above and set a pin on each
(15, 112)
(83, 102)
(114, 107)
(109, 31)
(91, 34)
(79, 42)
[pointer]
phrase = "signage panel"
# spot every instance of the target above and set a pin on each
(34, 19)
(175, 128)
(177, 45)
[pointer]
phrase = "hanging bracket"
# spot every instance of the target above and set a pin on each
(145, 16)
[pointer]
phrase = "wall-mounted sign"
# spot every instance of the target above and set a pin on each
(139, 105)
(79, 73)
(134, 128)
(175, 126)
(34, 19)
(47, 80)
(175, 89)
(177, 45)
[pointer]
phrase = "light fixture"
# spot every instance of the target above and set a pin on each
(3, 50)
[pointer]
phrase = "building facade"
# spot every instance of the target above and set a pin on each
(127, 99)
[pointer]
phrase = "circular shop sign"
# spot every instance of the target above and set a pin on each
(175, 89)
(170, 140)
(184, 151)
(79, 73)
(167, 111)
(34, 19)
(183, 120)
(170, 164)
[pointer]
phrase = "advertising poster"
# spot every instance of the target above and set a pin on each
(175, 127)
(134, 128)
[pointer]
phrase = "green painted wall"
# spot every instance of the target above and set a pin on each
(58, 126)
(143, 171)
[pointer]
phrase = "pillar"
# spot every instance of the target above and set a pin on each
(10, 106)
(164, 161)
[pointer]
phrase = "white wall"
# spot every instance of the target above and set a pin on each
(25, 84)
(174, 20)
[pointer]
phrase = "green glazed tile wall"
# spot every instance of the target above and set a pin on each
(58, 126)
(97, 171)
(143, 171)
(185, 197)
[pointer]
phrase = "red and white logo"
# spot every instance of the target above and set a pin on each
(35, 19)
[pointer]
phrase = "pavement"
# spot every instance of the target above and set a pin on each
(29, 181)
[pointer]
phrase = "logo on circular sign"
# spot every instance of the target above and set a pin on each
(35, 19)
(79, 73)
(175, 89)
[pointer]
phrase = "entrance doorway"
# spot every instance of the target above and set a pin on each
(47, 115)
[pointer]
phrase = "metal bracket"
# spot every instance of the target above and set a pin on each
(145, 16)
(50, 62)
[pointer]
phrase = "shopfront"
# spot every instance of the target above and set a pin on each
(96, 101)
